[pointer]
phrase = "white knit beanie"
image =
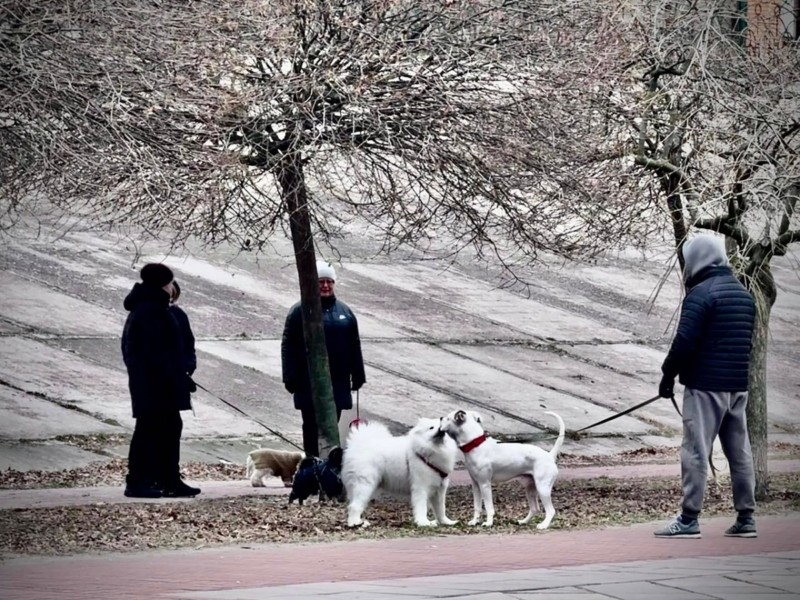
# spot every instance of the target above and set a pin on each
(325, 270)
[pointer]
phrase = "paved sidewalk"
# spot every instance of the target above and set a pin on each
(774, 576)
(489, 567)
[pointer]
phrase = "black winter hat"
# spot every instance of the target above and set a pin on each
(156, 274)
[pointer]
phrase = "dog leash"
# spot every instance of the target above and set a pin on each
(629, 410)
(357, 421)
(239, 410)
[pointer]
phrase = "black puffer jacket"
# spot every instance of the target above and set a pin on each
(153, 353)
(344, 354)
(711, 350)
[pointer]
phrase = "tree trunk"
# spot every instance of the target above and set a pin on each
(293, 189)
(671, 185)
(762, 286)
(757, 403)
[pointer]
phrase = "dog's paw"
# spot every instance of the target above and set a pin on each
(542, 525)
(426, 523)
(474, 521)
(488, 523)
(448, 522)
(353, 523)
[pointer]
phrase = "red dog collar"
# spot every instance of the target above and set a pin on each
(469, 446)
(441, 473)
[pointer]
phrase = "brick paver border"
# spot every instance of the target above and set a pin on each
(159, 574)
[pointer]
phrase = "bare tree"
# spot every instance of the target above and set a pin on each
(230, 121)
(712, 118)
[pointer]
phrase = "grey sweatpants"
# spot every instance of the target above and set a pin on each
(706, 415)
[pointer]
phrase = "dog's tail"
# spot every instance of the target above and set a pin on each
(250, 465)
(561, 431)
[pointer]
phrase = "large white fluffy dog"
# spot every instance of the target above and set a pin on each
(417, 464)
(489, 461)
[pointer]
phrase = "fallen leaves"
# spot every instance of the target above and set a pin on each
(260, 518)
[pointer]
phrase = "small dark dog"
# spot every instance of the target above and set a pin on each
(317, 476)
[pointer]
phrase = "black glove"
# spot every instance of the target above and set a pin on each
(192, 385)
(290, 386)
(357, 384)
(666, 389)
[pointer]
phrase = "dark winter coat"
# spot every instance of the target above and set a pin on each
(344, 354)
(153, 353)
(187, 338)
(711, 350)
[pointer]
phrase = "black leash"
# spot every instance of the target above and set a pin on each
(239, 410)
(629, 410)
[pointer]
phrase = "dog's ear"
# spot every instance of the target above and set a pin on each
(460, 417)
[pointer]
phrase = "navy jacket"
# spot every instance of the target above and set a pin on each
(153, 352)
(711, 350)
(344, 354)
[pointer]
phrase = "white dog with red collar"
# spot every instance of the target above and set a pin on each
(489, 461)
(417, 464)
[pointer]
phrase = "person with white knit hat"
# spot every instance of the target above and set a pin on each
(344, 356)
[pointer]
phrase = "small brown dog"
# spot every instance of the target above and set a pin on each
(266, 462)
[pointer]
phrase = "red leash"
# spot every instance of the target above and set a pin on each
(357, 422)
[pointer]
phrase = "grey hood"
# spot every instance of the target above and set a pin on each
(702, 252)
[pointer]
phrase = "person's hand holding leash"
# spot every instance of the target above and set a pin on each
(666, 389)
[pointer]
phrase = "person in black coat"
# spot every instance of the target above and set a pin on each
(344, 356)
(187, 337)
(153, 352)
(711, 356)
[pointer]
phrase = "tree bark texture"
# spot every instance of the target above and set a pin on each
(671, 184)
(293, 190)
(762, 286)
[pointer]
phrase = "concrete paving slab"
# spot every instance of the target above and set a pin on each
(788, 581)
(49, 455)
(282, 293)
(259, 355)
(634, 359)
(101, 392)
(53, 311)
(586, 382)
(479, 386)
(28, 417)
(9, 327)
(725, 586)
(649, 287)
(41, 369)
(646, 589)
(456, 289)
(393, 400)
(540, 594)
(423, 316)
(109, 494)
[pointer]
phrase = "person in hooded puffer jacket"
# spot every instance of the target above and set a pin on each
(711, 356)
(153, 352)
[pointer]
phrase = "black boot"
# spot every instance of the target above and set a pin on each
(178, 489)
(143, 490)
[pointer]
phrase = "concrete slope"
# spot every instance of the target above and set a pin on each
(582, 340)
